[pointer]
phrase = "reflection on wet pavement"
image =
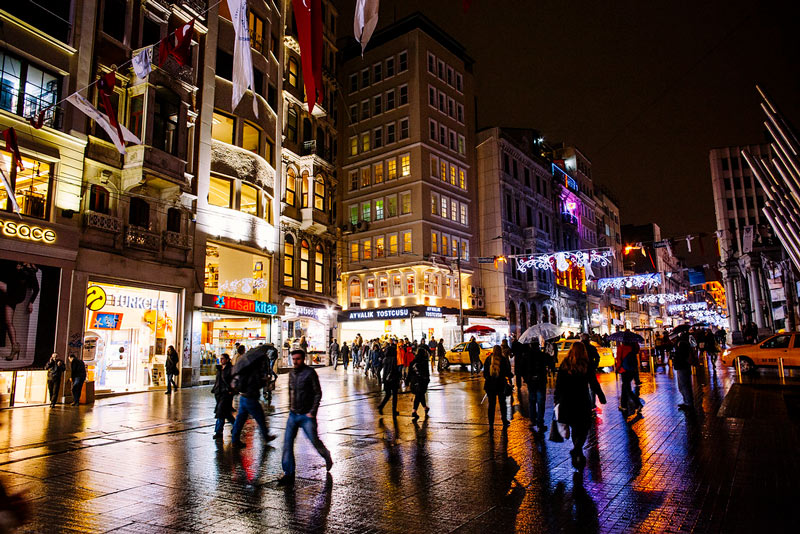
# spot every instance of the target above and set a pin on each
(146, 463)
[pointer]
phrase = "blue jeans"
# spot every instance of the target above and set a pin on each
(77, 386)
(537, 395)
(171, 383)
(309, 426)
(247, 407)
(685, 386)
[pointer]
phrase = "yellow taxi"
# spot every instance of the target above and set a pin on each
(458, 355)
(606, 354)
(766, 353)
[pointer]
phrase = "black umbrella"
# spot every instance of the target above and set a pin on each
(626, 336)
(249, 358)
(678, 330)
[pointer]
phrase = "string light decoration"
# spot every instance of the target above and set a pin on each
(638, 281)
(686, 307)
(662, 298)
(562, 261)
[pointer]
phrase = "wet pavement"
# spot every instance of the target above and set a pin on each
(146, 463)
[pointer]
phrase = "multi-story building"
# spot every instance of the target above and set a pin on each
(754, 288)
(408, 193)
(516, 192)
(609, 235)
(308, 243)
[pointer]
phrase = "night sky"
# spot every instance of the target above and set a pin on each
(644, 89)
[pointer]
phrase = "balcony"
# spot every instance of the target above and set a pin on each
(538, 287)
(163, 168)
(141, 239)
(102, 222)
(314, 221)
(177, 240)
(567, 218)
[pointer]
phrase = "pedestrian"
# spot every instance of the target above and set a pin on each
(248, 379)
(223, 394)
(432, 351)
(240, 350)
(418, 378)
(628, 367)
(305, 395)
(171, 368)
(474, 351)
(333, 353)
(77, 372)
(711, 347)
(534, 364)
(401, 358)
(722, 337)
(497, 374)
(303, 344)
(440, 354)
(573, 381)
(374, 361)
(345, 353)
(391, 378)
(272, 357)
(517, 349)
(682, 358)
(55, 370)
(363, 355)
(594, 362)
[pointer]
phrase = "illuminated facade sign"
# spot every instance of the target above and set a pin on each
(27, 232)
(432, 312)
(240, 305)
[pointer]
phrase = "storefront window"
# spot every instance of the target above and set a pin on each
(318, 257)
(235, 273)
(304, 264)
(31, 185)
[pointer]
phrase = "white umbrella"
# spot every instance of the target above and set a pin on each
(545, 330)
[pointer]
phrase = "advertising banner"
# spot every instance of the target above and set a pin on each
(28, 310)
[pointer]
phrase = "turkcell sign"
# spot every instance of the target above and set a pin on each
(390, 313)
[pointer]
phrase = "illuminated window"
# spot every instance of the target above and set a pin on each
(366, 249)
(391, 166)
(222, 128)
(256, 32)
(453, 175)
(443, 172)
(397, 285)
(353, 180)
(354, 214)
(463, 214)
(354, 252)
(24, 89)
(380, 248)
(31, 185)
(435, 204)
(377, 173)
(318, 261)
(365, 177)
(434, 243)
(407, 242)
(405, 203)
(219, 192)
(462, 179)
(444, 244)
(292, 72)
(366, 211)
(291, 185)
(405, 165)
(453, 210)
(379, 209)
(251, 138)
(248, 202)
(454, 247)
(288, 261)
(462, 145)
(465, 250)
(383, 287)
(305, 189)
(354, 146)
(370, 288)
(410, 289)
(426, 283)
(393, 245)
(355, 293)
(391, 206)
(365, 142)
(444, 211)
(304, 264)
(319, 194)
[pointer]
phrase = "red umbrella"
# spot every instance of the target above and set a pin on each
(479, 329)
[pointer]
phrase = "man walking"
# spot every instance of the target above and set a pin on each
(474, 351)
(77, 370)
(682, 363)
(533, 364)
(55, 369)
(333, 353)
(594, 362)
(304, 398)
(248, 381)
(391, 378)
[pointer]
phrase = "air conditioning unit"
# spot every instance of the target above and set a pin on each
(480, 303)
(480, 291)
(473, 303)
(347, 228)
(362, 225)
(473, 291)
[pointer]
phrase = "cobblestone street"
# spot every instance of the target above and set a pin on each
(146, 463)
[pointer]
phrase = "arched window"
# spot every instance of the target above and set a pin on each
(512, 317)
(355, 293)
(291, 186)
(306, 185)
(304, 253)
(318, 260)
(291, 126)
(523, 317)
(166, 120)
(545, 316)
(293, 68)
(534, 315)
(139, 214)
(319, 194)
(98, 199)
(173, 220)
(288, 261)
(552, 316)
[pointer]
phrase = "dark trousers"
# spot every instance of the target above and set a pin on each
(419, 398)
(248, 406)
(390, 393)
(53, 386)
(77, 385)
(685, 385)
(171, 382)
(629, 401)
(272, 367)
(221, 423)
(579, 434)
(494, 398)
(537, 396)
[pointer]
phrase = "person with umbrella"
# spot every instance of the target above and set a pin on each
(628, 367)
(248, 379)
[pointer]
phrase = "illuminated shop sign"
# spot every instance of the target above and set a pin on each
(27, 232)
(433, 312)
(306, 311)
(97, 297)
(240, 305)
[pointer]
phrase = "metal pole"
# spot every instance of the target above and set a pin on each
(781, 372)
(460, 296)
(738, 370)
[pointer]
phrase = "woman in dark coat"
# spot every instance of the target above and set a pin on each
(574, 400)
(171, 368)
(391, 378)
(419, 376)
(223, 393)
(497, 374)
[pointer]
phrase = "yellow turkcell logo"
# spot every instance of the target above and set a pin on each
(95, 298)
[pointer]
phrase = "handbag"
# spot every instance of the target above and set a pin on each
(508, 390)
(558, 431)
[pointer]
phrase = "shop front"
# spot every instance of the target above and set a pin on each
(307, 322)
(410, 322)
(127, 331)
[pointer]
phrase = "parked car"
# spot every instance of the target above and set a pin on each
(458, 355)
(765, 353)
(606, 354)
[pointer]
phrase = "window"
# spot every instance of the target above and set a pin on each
(390, 135)
(366, 211)
(366, 249)
(410, 287)
(441, 69)
(459, 82)
(407, 242)
(318, 261)
(433, 127)
(380, 249)
(462, 145)
(365, 142)
(354, 114)
(405, 165)
(443, 134)
(354, 257)
(364, 78)
(392, 244)
(165, 121)
(383, 287)
(431, 96)
(139, 213)
(379, 209)
(377, 173)
(304, 264)
(219, 192)
(452, 140)
(453, 210)
(136, 113)
(222, 128)
(434, 166)
(389, 67)
(365, 177)
(224, 65)
(354, 146)
(464, 214)
(405, 203)
(364, 110)
(248, 200)
(353, 83)
(777, 342)
(370, 288)
(443, 172)
(377, 72)
(390, 100)
(377, 137)
(404, 129)
(269, 152)
(462, 179)
(304, 190)
(353, 180)
(256, 32)
(251, 138)
(377, 102)
(465, 250)
(391, 206)
(98, 199)
(431, 63)
(402, 61)
(403, 95)
(174, 220)
(442, 102)
(292, 71)
(355, 293)
(444, 210)
(31, 185)
(114, 18)
(434, 243)
(450, 76)
(291, 186)
(25, 89)
(319, 194)
(291, 126)
(435, 203)
(460, 113)
(451, 107)
(354, 214)
(454, 247)
(445, 240)
(453, 175)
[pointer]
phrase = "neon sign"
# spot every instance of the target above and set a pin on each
(27, 232)
(240, 305)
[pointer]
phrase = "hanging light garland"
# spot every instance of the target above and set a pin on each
(562, 261)
(638, 281)
(688, 306)
(662, 298)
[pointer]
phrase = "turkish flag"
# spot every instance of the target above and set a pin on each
(308, 16)
(177, 44)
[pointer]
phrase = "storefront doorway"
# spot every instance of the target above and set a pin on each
(222, 333)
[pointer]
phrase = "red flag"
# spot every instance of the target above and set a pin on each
(37, 120)
(308, 15)
(465, 4)
(106, 87)
(178, 44)
(10, 136)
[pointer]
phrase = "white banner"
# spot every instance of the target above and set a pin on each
(102, 120)
(143, 62)
(242, 57)
(365, 20)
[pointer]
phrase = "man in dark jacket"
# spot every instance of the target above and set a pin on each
(517, 350)
(248, 382)
(77, 370)
(682, 364)
(304, 397)
(594, 362)
(474, 351)
(391, 378)
(533, 363)
(223, 394)
(55, 369)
